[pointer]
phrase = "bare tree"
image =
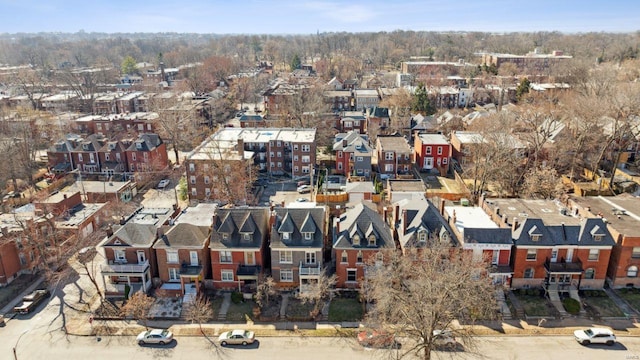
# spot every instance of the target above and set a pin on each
(316, 291)
(200, 311)
(543, 182)
(138, 306)
(427, 290)
(267, 288)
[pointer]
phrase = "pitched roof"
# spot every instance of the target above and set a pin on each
(364, 221)
(296, 222)
(422, 215)
(236, 223)
(184, 235)
(590, 232)
(134, 235)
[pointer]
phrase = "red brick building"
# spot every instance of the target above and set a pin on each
(432, 153)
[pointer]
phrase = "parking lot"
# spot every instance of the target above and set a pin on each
(278, 191)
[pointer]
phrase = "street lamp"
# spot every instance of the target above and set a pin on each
(15, 355)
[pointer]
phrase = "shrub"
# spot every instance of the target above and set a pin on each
(236, 297)
(572, 306)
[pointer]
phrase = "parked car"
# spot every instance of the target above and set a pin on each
(378, 339)
(304, 189)
(301, 199)
(304, 182)
(155, 336)
(444, 338)
(31, 301)
(237, 337)
(595, 336)
(163, 183)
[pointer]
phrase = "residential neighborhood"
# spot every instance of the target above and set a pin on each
(234, 190)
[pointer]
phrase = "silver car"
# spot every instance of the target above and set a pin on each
(237, 337)
(156, 336)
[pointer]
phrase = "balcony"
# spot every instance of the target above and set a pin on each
(115, 268)
(563, 267)
(190, 271)
(309, 270)
(248, 272)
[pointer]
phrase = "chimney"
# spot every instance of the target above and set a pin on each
(344, 143)
(498, 211)
(109, 231)
(272, 218)
(515, 224)
(385, 214)
(159, 232)
(338, 226)
(64, 196)
(454, 218)
(504, 219)
(241, 148)
(442, 202)
(396, 215)
(404, 221)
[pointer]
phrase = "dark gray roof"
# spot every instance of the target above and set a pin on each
(147, 142)
(364, 221)
(422, 215)
(488, 236)
(92, 142)
(296, 222)
(184, 235)
(590, 232)
(133, 234)
(236, 222)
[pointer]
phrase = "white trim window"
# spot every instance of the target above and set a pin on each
(286, 275)
(532, 254)
(594, 254)
(352, 275)
(226, 275)
(120, 256)
(225, 257)
(174, 275)
(172, 256)
(286, 257)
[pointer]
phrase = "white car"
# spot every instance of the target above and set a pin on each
(595, 336)
(444, 338)
(156, 336)
(304, 189)
(237, 337)
(163, 183)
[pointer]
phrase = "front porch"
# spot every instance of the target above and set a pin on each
(136, 277)
(308, 274)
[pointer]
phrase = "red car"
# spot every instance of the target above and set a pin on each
(376, 339)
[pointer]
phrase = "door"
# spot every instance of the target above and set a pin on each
(250, 258)
(428, 163)
(554, 255)
(569, 255)
(141, 257)
(193, 255)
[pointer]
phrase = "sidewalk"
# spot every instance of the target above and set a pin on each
(9, 308)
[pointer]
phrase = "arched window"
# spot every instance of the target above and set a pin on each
(590, 273)
(359, 258)
(344, 256)
(355, 239)
(632, 271)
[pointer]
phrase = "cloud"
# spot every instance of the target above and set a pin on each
(350, 13)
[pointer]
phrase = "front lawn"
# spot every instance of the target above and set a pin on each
(602, 304)
(534, 305)
(216, 303)
(240, 311)
(345, 309)
(296, 309)
(632, 296)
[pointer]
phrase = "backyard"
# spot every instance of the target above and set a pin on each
(601, 304)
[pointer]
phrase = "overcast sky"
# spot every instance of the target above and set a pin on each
(311, 16)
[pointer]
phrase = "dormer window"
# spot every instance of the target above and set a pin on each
(372, 240)
(533, 234)
(138, 145)
(225, 236)
(285, 236)
(85, 146)
(596, 234)
(422, 236)
(535, 237)
(356, 240)
(307, 235)
(246, 236)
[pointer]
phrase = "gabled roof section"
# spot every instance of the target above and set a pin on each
(134, 235)
(237, 223)
(533, 232)
(593, 231)
(421, 215)
(364, 221)
(308, 226)
(298, 222)
(287, 225)
(184, 235)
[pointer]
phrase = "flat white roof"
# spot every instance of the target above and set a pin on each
(470, 217)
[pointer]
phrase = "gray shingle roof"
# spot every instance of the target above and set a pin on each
(134, 234)
(296, 222)
(422, 216)
(184, 235)
(590, 232)
(488, 236)
(237, 222)
(364, 221)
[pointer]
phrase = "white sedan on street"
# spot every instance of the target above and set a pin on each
(595, 336)
(237, 337)
(156, 336)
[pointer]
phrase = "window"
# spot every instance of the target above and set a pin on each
(192, 167)
(295, 157)
(359, 159)
(445, 160)
(635, 254)
(355, 240)
(192, 179)
(286, 257)
(344, 257)
(194, 192)
(594, 254)
(532, 254)
(495, 256)
(173, 274)
(388, 167)
(306, 159)
(279, 154)
(279, 164)
(310, 257)
(306, 148)
(271, 154)
(80, 157)
(340, 154)
(632, 271)
(528, 273)
(351, 275)
(206, 167)
(246, 236)
(359, 258)
(372, 240)
(590, 273)
(225, 256)
(106, 157)
(428, 150)
(439, 150)
(388, 156)
(285, 236)
(206, 180)
(295, 147)
(422, 236)
(120, 256)
(207, 192)
(227, 275)
(172, 257)
(278, 143)
(307, 235)
(286, 275)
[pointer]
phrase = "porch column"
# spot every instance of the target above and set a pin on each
(182, 285)
(144, 282)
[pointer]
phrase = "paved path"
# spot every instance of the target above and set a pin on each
(226, 302)
(621, 303)
(283, 305)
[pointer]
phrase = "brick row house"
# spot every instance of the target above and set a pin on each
(98, 155)
(353, 154)
(394, 155)
(276, 151)
(432, 153)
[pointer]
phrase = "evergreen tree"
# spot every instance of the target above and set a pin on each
(421, 102)
(295, 62)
